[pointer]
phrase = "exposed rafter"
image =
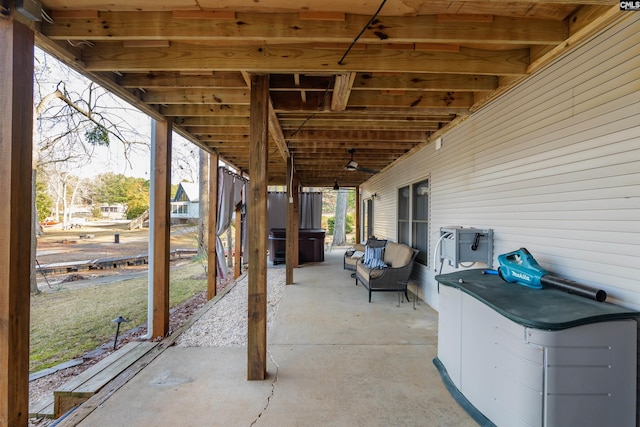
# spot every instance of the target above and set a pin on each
(275, 130)
(289, 28)
(418, 69)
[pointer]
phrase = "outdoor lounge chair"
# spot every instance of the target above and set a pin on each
(399, 259)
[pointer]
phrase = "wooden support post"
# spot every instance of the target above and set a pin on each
(296, 220)
(257, 303)
(212, 262)
(358, 239)
(291, 249)
(203, 202)
(16, 125)
(237, 256)
(161, 227)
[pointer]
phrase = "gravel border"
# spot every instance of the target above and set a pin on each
(225, 323)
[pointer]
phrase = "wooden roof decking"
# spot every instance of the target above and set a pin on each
(417, 68)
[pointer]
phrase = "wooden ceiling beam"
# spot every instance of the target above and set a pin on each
(328, 168)
(229, 147)
(394, 147)
(218, 130)
(370, 99)
(202, 115)
(241, 158)
(210, 79)
(355, 125)
(324, 160)
(358, 135)
(341, 91)
(217, 121)
(363, 116)
(194, 110)
(236, 138)
(104, 56)
(385, 81)
(322, 177)
(289, 28)
(196, 96)
(338, 172)
(402, 8)
(413, 111)
(341, 123)
(314, 145)
(413, 99)
(425, 82)
(585, 22)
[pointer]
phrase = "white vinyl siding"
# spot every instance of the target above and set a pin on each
(553, 166)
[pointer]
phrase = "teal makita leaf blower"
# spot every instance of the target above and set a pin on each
(520, 267)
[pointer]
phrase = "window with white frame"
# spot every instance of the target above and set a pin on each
(413, 217)
(367, 218)
(180, 208)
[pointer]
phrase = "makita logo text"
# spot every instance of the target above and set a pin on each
(521, 276)
(630, 5)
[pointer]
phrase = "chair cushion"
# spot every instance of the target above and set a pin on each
(351, 261)
(402, 256)
(389, 252)
(397, 254)
(367, 272)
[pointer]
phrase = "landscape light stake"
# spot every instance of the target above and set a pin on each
(118, 320)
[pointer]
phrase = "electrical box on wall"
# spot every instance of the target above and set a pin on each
(466, 245)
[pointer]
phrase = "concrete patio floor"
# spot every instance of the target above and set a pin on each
(334, 360)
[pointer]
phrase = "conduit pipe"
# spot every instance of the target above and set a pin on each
(435, 251)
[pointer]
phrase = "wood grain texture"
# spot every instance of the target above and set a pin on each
(237, 247)
(105, 56)
(212, 262)
(188, 61)
(295, 260)
(257, 302)
(342, 91)
(16, 120)
(290, 242)
(161, 227)
(292, 28)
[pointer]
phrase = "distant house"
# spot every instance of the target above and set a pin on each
(113, 211)
(186, 203)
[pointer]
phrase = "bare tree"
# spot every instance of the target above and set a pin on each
(185, 160)
(339, 225)
(73, 118)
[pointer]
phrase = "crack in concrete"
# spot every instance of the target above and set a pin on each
(273, 390)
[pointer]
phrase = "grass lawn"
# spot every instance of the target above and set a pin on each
(67, 323)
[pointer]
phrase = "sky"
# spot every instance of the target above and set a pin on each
(112, 158)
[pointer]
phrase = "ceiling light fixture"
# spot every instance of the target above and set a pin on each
(335, 184)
